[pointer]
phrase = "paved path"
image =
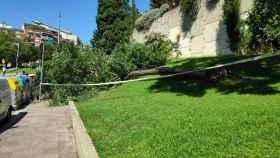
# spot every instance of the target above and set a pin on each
(38, 132)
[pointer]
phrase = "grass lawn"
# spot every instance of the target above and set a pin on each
(21, 70)
(199, 63)
(180, 117)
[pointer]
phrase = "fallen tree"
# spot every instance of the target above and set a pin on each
(153, 71)
(211, 75)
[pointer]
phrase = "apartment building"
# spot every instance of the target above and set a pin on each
(8, 28)
(37, 32)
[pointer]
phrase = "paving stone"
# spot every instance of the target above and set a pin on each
(43, 132)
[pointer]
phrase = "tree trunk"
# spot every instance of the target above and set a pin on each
(154, 71)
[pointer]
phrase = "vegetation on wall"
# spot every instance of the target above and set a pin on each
(159, 7)
(190, 7)
(264, 24)
(245, 38)
(158, 3)
(232, 21)
(144, 22)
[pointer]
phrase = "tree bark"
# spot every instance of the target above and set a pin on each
(154, 71)
(216, 74)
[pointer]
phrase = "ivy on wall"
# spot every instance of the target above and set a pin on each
(190, 7)
(158, 3)
(144, 22)
(232, 21)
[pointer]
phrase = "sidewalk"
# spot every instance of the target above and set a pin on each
(38, 132)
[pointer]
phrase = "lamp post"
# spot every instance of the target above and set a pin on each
(18, 51)
(42, 67)
(17, 57)
(59, 28)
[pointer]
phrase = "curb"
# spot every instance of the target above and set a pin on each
(84, 145)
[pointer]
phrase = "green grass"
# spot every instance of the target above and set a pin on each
(199, 63)
(21, 70)
(183, 117)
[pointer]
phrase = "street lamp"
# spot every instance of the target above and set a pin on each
(42, 67)
(17, 56)
(18, 51)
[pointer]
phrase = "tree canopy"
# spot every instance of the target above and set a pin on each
(8, 48)
(113, 24)
(7, 45)
(264, 24)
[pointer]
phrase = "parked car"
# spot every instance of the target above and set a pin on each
(15, 93)
(5, 101)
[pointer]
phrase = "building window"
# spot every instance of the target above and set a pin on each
(30, 35)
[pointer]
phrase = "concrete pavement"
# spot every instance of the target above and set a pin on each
(38, 131)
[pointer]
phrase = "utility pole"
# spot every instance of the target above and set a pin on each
(59, 28)
(42, 68)
(17, 56)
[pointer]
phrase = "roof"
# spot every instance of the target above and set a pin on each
(38, 23)
(5, 26)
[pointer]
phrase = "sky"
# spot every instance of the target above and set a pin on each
(78, 16)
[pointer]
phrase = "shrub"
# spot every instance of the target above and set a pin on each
(8, 48)
(121, 62)
(245, 38)
(159, 48)
(136, 56)
(144, 22)
(28, 53)
(264, 23)
(70, 64)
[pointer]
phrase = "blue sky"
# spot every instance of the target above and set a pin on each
(78, 16)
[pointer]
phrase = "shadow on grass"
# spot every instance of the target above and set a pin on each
(250, 78)
(198, 63)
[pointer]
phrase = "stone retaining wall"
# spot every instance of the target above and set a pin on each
(207, 36)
